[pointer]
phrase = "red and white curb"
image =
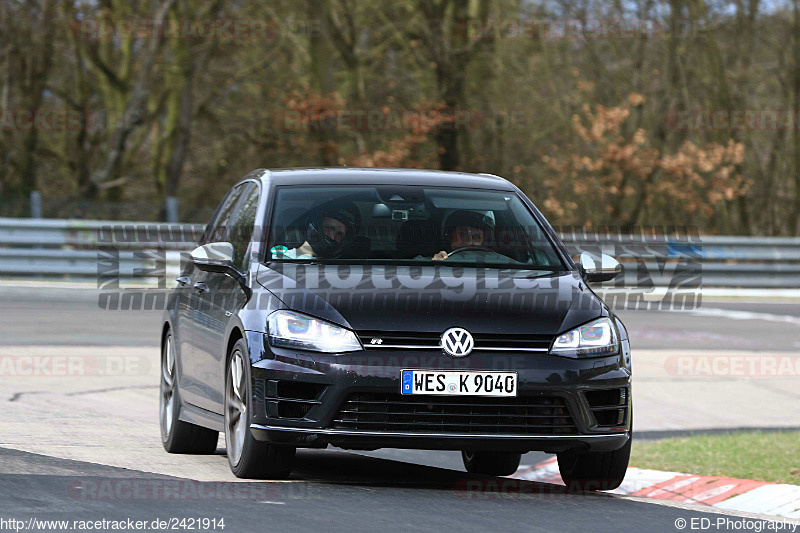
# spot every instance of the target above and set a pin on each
(745, 495)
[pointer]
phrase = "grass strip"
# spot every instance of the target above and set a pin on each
(764, 456)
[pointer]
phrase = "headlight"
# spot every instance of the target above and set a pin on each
(597, 338)
(289, 329)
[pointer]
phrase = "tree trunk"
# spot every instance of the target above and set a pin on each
(33, 101)
(794, 229)
(321, 71)
(135, 107)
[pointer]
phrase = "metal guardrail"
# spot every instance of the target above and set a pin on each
(102, 250)
(94, 249)
(691, 260)
(89, 234)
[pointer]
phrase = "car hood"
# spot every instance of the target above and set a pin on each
(434, 298)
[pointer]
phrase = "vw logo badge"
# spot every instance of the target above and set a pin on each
(457, 342)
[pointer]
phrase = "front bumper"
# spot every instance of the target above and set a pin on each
(378, 371)
(371, 440)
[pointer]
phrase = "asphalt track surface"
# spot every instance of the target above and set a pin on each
(330, 492)
(88, 448)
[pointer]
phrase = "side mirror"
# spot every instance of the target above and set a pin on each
(214, 257)
(218, 257)
(608, 269)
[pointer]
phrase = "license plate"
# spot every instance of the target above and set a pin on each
(454, 383)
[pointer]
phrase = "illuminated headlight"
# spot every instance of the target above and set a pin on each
(595, 339)
(288, 329)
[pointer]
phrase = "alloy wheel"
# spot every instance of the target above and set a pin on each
(236, 415)
(167, 396)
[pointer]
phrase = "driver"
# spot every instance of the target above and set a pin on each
(465, 228)
(329, 232)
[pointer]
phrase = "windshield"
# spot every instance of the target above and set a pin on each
(401, 224)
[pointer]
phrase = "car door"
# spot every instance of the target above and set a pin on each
(181, 322)
(220, 296)
(196, 329)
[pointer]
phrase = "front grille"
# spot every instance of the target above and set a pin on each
(534, 415)
(412, 340)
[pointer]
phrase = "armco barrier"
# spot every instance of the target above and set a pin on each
(99, 250)
(716, 261)
(94, 250)
(89, 234)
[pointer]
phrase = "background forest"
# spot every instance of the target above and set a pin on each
(645, 112)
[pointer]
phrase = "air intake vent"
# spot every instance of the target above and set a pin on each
(291, 399)
(608, 406)
(293, 409)
(532, 415)
(298, 390)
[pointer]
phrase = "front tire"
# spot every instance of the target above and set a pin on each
(178, 436)
(491, 463)
(587, 471)
(248, 457)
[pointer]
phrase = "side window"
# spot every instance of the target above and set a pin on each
(217, 229)
(242, 223)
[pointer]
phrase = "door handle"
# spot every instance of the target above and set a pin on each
(183, 280)
(200, 287)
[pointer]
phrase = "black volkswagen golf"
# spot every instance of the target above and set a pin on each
(369, 308)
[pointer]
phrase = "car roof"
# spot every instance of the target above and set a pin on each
(383, 176)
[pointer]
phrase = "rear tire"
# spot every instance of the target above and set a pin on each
(585, 471)
(248, 457)
(491, 463)
(178, 436)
